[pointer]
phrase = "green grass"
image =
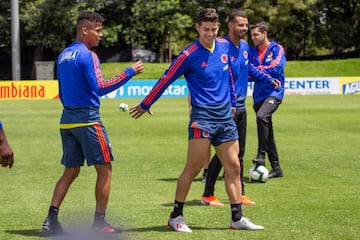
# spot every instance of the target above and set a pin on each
(318, 140)
(328, 68)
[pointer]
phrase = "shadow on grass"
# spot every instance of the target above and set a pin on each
(165, 228)
(194, 202)
(168, 179)
(88, 235)
(175, 179)
(77, 235)
(28, 233)
(161, 228)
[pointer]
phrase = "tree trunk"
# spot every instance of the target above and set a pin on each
(38, 54)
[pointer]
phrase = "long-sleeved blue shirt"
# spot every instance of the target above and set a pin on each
(208, 77)
(241, 69)
(273, 64)
(81, 83)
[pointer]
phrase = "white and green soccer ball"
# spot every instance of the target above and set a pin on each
(123, 107)
(258, 173)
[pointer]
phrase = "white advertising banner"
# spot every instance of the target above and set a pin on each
(308, 86)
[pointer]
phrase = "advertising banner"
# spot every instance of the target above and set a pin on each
(141, 88)
(350, 85)
(293, 86)
(44, 89)
(309, 86)
(48, 89)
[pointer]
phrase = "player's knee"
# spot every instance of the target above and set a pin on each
(233, 168)
(262, 118)
(70, 174)
(75, 174)
(193, 170)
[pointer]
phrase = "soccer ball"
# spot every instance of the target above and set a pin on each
(123, 107)
(258, 173)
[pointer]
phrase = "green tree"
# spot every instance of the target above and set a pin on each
(166, 27)
(290, 22)
(303, 27)
(339, 24)
(5, 25)
(50, 24)
(294, 25)
(118, 18)
(157, 25)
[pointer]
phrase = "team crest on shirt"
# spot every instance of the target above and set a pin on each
(224, 58)
(269, 57)
(246, 55)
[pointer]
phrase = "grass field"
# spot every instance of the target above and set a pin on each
(318, 139)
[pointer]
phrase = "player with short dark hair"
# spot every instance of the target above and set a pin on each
(269, 57)
(82, 133)
(241, 69)
(205, 65)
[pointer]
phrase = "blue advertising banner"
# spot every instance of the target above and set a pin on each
(140, 88)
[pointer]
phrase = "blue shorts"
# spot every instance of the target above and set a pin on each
(217, 133)
(88, 142)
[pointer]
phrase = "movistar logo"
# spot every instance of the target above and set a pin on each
(351, 88)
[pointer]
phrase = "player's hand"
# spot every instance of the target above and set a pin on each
(138, 67)
(137, 111)
(6, 155)
(233, 111)
(276, 83)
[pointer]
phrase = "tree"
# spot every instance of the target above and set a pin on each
(338, 27)
(156, 25)
(5, 25)
(50, 24)
(303, 27)
(294, 24)
(290, 23)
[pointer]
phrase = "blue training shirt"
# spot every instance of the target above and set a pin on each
(81, 83)
(273, 64)
(209, 80)
(239, 61)
(241, 69)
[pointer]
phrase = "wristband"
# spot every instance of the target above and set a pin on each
(0, 124)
